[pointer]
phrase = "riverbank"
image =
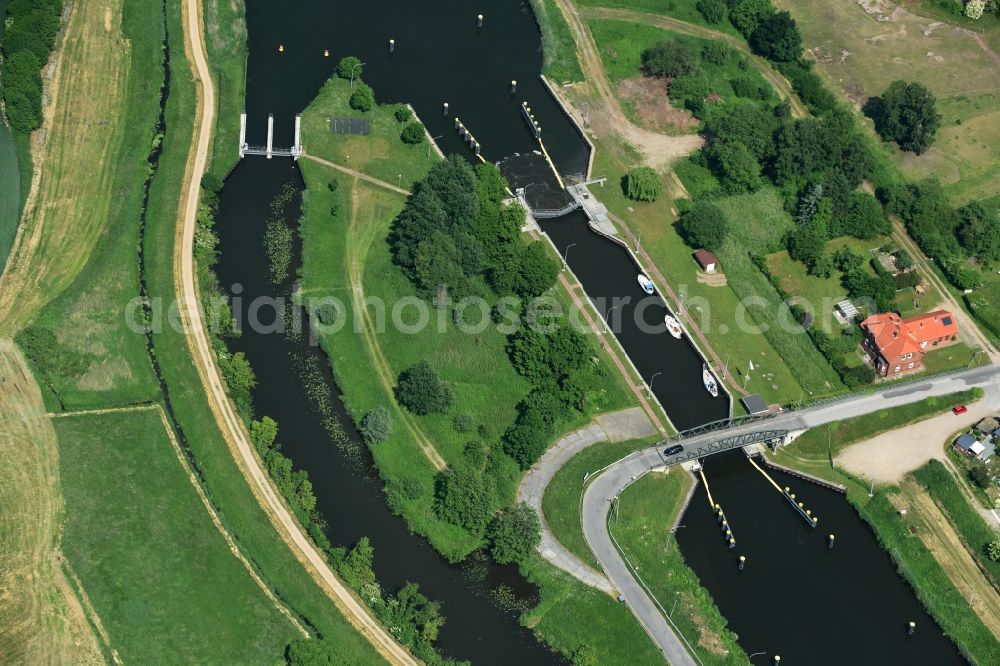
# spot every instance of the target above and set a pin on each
(914, 540)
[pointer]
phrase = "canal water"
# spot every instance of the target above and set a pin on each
(442, 56)
(796, 597)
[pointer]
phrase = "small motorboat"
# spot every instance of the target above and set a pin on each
(711, 385)
(673, 326)
(646, 284)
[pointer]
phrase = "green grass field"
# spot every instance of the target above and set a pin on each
(10, 193)
(860, 53)
(642, 532)
(561, 503)
(942, 486)
(89, 317)
(225, 41)
(758, 297)
(381, 153)
(161, 577)
(559, 62)
(571, 615)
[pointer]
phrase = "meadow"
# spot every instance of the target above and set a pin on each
(160, 576)
(10, 193)
(559, 61)
(682, 10)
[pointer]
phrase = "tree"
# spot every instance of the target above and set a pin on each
(735, 166)
(979, 233)
(316, 652)
(748, 14)
(974, 9)
(806, 243)
(464, 499)
(809, 203)
(673, 57)
(716, 52)
(643, 184)
(906, 113)
(536, 273)
(777, 38)
(822, 266)
(858, 375)
(238, 373)
(263, 433)
(865, 218)
(362, 99)
(412, 133)
(420, 390)
(403, 114)
(585, 655)
(349, 67)
(847, 261)
(376, 426)
(514, 534)
(417, 611)
(704, 226)
(993, 551)
(714, 11)
(980, 475)
(904, 260)
(21, 113)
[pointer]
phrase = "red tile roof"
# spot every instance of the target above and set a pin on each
(895, 337)
(705, 258)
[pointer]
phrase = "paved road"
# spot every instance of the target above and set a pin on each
(229, 423)
(599, 493)
(616, 427)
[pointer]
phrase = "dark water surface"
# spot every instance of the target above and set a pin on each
(796, 597)
(609, 275)
(816, 607)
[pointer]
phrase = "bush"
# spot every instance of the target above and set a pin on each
(735, 166)
(714, 11)
(980, 475)
(362, 99)
(413, 133)
(317, 652)
(403, 114)
(326, 314)
(993, 551)
(464, 499)
(748, 14)
(857, 376)
(376, 426)
(643, 184)
(421, 391)
(22, 114)
(349, 67)
(704, 226)
(748, 88)
(673, 57)
(514, 534)
(464, 422)
(716, 53)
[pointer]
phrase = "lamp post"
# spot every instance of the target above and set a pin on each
(607, 315)
(566, 253)
(433, 139)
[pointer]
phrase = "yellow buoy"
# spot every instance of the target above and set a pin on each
(281, 48)
(326, 53)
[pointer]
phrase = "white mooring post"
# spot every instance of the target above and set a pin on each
(243, 134)
(297, 148)
(270, 134)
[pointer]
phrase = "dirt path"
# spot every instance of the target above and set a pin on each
(197, 337)
(658, 150)
(357, 252)
(357, 174)
(777, 81)
(968, 329)
(951, 553)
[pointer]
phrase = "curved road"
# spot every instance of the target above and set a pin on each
(229, 423)
(602, 490)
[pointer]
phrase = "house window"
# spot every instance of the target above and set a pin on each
(910, 365)
(897, 369)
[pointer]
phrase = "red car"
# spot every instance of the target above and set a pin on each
(959, 409)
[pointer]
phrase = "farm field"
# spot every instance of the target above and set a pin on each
(10, 193)
(160, 576)
(861, 47)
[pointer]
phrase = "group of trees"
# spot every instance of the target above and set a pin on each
(454, 234)
(32, 26)
(946, 234)
(907, 114)
(558, 365)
